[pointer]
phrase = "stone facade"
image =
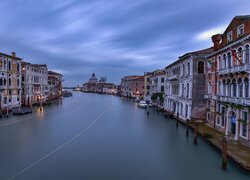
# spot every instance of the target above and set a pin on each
(10, 81)
(132, 86)
(34, 83)
(185, 85)
(147, 95)
(55, 84)
(228, 98)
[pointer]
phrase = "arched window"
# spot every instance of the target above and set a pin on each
(4, 82)
(188, 68)
(240, 93)
(181, 108)
(5, 64)
(220, 62)
(240, 55)
(201, 67)
(224, 61)
(234, 87)
(229, 59)
(182, 94)
(246, 81)
(9, 81)
(18, 67)
(228, 87)
(224, 88)
(186, 110)
(9, 64)
(187, 90)
(183, 69)
(247, 53)
(219, 88)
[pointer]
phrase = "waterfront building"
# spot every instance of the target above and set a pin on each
(10, 81)
(34, 83)
(106, 88)
(55, 84)
(228, 98)
(147, 95)
(132, 86)
(186, 85)
(157, 82)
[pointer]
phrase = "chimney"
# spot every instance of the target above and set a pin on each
(216, 40)
(13, 54)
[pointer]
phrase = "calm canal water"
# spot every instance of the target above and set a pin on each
(91, 136)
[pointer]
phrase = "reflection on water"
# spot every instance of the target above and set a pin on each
(123, 143)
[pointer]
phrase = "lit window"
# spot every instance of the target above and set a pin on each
(240, 30)
(229, 36)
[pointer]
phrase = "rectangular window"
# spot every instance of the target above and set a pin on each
(162, 88)
(229, 36)
(240, 30)
(162, 80)
(217, 120)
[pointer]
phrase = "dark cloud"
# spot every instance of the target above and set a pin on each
(112, 38)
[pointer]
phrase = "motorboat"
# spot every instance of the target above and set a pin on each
(137, 99)
(142, 104)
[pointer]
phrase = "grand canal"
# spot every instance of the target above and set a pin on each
(91, 136)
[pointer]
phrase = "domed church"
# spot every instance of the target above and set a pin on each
(93, 79)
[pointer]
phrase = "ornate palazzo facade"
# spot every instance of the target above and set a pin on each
(228, 98)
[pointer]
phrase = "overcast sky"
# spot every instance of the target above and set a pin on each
(112, 38)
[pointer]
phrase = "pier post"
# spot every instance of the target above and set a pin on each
(187, 126)
(224, 154)
(177, 120)
(147, 109)
(196, 134)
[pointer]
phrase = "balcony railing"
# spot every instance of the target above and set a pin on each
(173, 77)
(234, 69)
(236, 100)
(208, 96)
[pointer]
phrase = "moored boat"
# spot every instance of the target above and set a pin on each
(142, 104)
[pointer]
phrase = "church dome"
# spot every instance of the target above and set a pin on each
(93, 79)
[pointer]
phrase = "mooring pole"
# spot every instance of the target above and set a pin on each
(147, 109)
(224, 154)
(177, 120)
(187, 126)
(196, 134)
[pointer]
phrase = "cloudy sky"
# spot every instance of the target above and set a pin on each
(112, 38)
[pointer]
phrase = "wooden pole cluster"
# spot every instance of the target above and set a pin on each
(187, 126)
(196, 134)
(147, 109)
(224, 154)
(177, 120)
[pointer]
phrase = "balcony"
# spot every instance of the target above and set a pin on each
(235, 69)
(173, 77)
(235, 100)
(207, 96)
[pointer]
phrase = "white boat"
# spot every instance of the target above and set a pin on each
(142, 104)
(137, 99)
